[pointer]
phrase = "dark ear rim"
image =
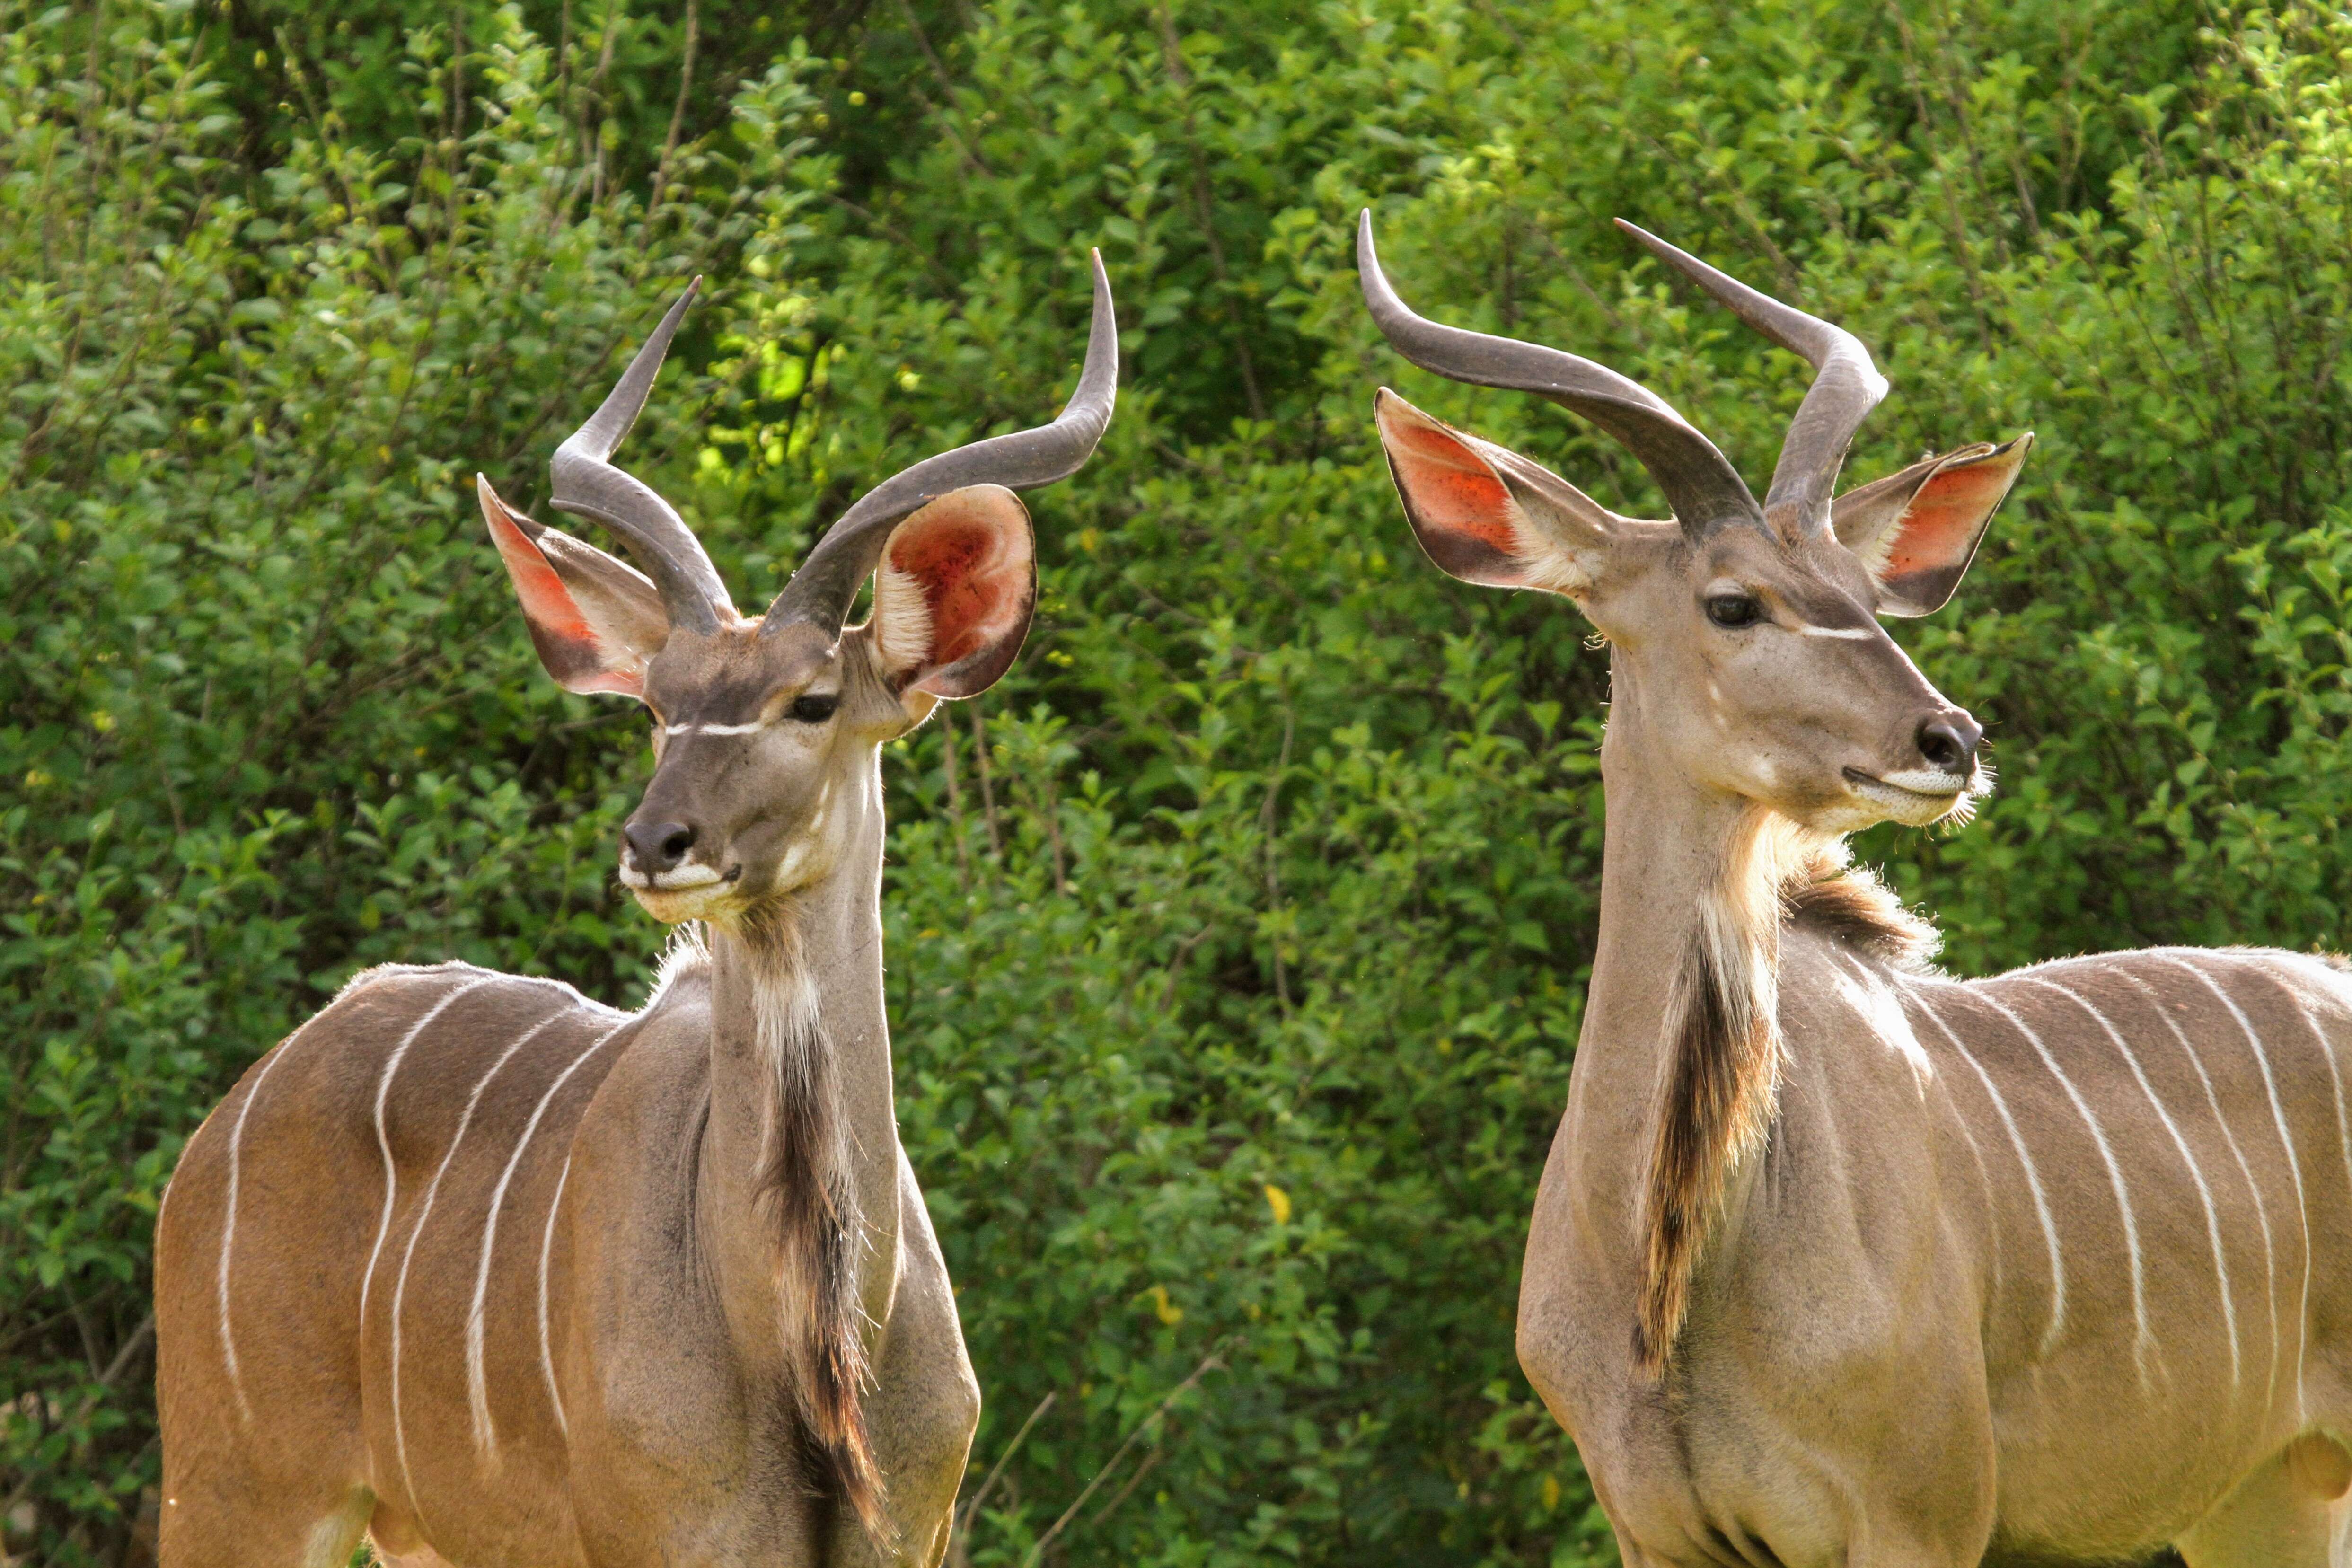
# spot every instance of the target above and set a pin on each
(1455, 553)
(1869, 519)
(1555, 528)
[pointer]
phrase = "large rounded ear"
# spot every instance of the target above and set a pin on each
(953, 595)
(1485, 514)
(1916, 530)
(595, 621)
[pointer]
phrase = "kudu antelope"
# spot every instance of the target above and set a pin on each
(1837, 1259)
(502, 1275)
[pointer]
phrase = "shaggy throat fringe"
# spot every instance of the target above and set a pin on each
(1723, 1038)
(805, 1181)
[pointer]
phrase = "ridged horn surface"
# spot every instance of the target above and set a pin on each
(1700, 484)
(825, 586)
(1846, 387)
(586, 484)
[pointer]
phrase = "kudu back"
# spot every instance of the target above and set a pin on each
(1837, 1259)
(496, 1274)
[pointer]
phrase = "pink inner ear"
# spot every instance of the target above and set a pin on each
(974, 588)
(1451, 488)
(568, 645)
(1940, 525)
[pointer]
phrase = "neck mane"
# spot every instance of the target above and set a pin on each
(801, 1152)
(806, 1186)
(1721, 1035)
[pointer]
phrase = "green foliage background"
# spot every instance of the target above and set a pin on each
(1238, 940)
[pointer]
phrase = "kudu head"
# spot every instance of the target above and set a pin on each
(762, 726)
(1745, 633)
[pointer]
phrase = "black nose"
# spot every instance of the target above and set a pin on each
(658, 847)
(1949, 741)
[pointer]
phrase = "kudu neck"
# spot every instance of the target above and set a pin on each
(826, 938)
(812, 964)
(1669, 845)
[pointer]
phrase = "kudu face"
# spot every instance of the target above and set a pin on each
(756, 739)
(1760, 671)
(764, 730)
(1746, 637)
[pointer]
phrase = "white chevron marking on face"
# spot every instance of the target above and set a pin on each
(752, 728)
(2144, 1341)
(2057, 1326)
(2293, 1160)
(424, 1213)
(476, 1382)
(547, 1245)
(1855, 634)
(2204, 1192)
(2245, 1170)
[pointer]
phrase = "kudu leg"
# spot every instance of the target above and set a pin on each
(2292, 1512)
(262, 1472)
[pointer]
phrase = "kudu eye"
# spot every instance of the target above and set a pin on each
(812, 710)
(1733, 611)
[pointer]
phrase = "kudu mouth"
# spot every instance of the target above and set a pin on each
(1913, 795)
(684, 890)
(677, 871)
(1921, 797)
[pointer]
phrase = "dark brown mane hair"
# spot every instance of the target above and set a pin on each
(804, 1181)
(1850, 904)
(1723, 1040)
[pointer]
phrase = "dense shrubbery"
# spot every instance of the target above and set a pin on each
(1238, 941)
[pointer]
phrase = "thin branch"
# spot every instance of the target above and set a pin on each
(1133, 1482)
(114, 1369)
(987, 788)
(1208, 1363)
(685, 88)
(955, 810)
(971, 1510)
(1268, 822)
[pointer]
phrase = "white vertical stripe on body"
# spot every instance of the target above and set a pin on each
(2204, 1192)
(424, 1213)
(229, 1228)
(2057, 1325)
(2293, 1160)
(2145, 1341)
(1890, 1017)
(2335, 1073)
(384, 1135)
(477, 1383)
(546, 1246)
(2253, 1188)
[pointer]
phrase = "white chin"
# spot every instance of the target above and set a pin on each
(672, 905)
(1875, 801)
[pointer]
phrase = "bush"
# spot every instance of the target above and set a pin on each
(1238, 940)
